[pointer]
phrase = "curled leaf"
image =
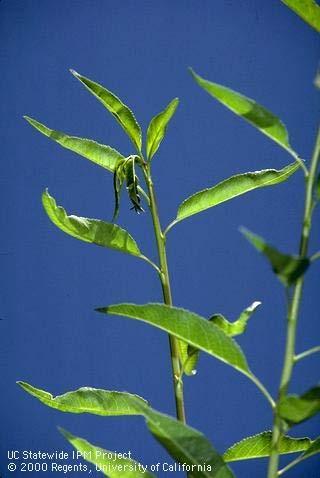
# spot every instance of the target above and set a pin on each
(239, 326)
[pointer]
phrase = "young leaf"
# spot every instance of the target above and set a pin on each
(249, 110)
(107, 462)
(259, 446)
(239, 326)
(97, 153)
(308, 10)
(294, 409)
(188, 327)
(231, 188)
(287, 268)
(90, 230)
(118, 109)
(185, 444)
(157, 128)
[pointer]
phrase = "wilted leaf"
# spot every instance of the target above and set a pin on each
(185, 444)
(97, 153)
(157, 128)
(249, 110)
(231, 188)
(259, 446)
(308, 10)
(287, 268)
(239, 326)
(294, 409)
(118, 109)
(90, 230)
(107, 462)
(188, 327)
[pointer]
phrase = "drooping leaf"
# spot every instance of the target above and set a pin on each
(97, 153)
(107, 462)
(287, 268)
(183, 443)
(118, 109)
(188, 327)
(239, 326)
(249, 110)
(294, 409)
(90, 230)
(231, 188)
(259, 446)
(157, 128)
(308, 10)
(133, 184)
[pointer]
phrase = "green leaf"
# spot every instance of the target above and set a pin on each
(231, 188)
(185, 444)
(118, 109)
(107, 462)
(186, 326)
(249, 110)
(287, 268)
(90, 230)
(239, 326)
(97, 153)
(308, 10)
(294, 409)
(89, 400)
(157, 128)
(259, 446)
(190, 355)
(313, 449)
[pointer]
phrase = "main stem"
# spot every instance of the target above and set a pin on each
(167, 297)
(293, 313)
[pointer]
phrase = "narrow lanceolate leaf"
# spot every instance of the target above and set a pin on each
(97, 153)
(89, 400)
(287, 268)
(185, 444)
(249, 110)
(90, 230)
(308, 10)
(107, 462)
(239, 326)
(259, 446)
(157, 128)
(231, 188)
(118, 109)
(186, 326)
(294, 409)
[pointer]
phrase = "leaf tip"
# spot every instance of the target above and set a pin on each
(74, 73)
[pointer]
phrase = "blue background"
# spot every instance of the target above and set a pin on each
(51, 283)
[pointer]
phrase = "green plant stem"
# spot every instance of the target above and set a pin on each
(306, 353)
(293, 313)
(167, 297)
